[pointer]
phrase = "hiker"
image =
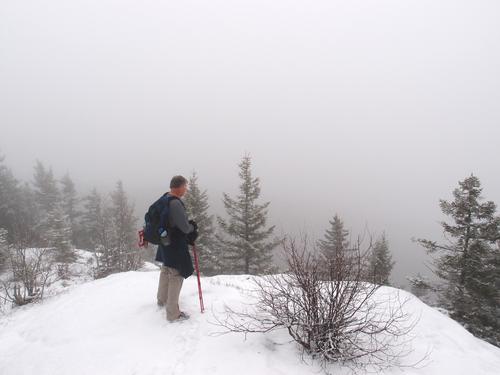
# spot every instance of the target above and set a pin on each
(173, 251)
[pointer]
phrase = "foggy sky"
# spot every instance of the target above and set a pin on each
(370, 109)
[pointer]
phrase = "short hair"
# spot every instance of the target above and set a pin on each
(177, 182)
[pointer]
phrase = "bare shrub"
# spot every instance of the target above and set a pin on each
(328, 310)
(29, 272)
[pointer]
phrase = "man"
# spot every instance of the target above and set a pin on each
(173, 252)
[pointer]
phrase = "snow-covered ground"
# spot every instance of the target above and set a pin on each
(113, 326)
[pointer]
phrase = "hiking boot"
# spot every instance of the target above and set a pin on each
(182, 316)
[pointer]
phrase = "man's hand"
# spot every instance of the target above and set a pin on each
(192, 236)
(195, 226)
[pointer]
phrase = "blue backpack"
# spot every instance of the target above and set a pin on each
(156, 219)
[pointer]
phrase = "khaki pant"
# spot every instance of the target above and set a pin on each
(169, 288)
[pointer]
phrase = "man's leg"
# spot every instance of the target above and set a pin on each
(162, 287)
(174, 289)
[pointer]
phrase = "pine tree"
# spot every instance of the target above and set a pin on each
(335, 242)
(124, 255)
(46, 191)
(27, 233)
(381, 263)
(69, 201)
(196, 202)
(466, 263)
(58, 237)
(3, 249)
(98, 234)
(113, 231)
(47, 196)
(495, 306)
(94, 226)
(9, 198)
(19, 213)
(247, 248)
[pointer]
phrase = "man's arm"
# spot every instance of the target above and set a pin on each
(179, 218)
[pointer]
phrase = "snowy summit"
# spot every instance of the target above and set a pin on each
(113, 326)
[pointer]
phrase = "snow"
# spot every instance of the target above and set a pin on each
(113, 326)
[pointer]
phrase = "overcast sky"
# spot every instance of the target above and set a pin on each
(370, 109)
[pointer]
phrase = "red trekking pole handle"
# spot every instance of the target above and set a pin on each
(197, 267)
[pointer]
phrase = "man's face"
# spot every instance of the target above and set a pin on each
(183, 189)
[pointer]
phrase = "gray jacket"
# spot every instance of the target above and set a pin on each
(177, 217)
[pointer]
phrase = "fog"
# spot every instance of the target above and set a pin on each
(370, 109)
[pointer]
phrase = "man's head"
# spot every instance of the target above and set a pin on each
(178, 186)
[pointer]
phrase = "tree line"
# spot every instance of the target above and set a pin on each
(48, 213)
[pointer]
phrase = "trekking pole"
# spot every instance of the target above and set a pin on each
(197, 267)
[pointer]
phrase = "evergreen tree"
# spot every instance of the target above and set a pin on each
(495, 313)
(3, 249)
(58, 237)
(466, 263)
(335, 242)
(69, 201)
(97, 229)
(196, 202)
(246, 247)
(123, 226)
(19, 214)
(47, 196)
(46, 191)
(9, 199)
(94, 226)
(119, 253)
(27, 233)
(381, 263)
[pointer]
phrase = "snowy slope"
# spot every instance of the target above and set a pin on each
(113, 326)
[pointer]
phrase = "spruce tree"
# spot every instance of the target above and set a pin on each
(47, 196)
(58, 237)
(95, 228)
(335, 241)
(381, 263)
(246, 246)
(125, 256)
(46, 192)
(197, 206)
(27, 232)
(19, 213)
(9, 200)
(466, 262)
(98, 234)
(69, 201)
(3, 249)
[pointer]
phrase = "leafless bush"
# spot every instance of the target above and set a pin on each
(29, 272)
(331, 312)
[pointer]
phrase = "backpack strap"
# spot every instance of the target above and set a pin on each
(166, 199)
